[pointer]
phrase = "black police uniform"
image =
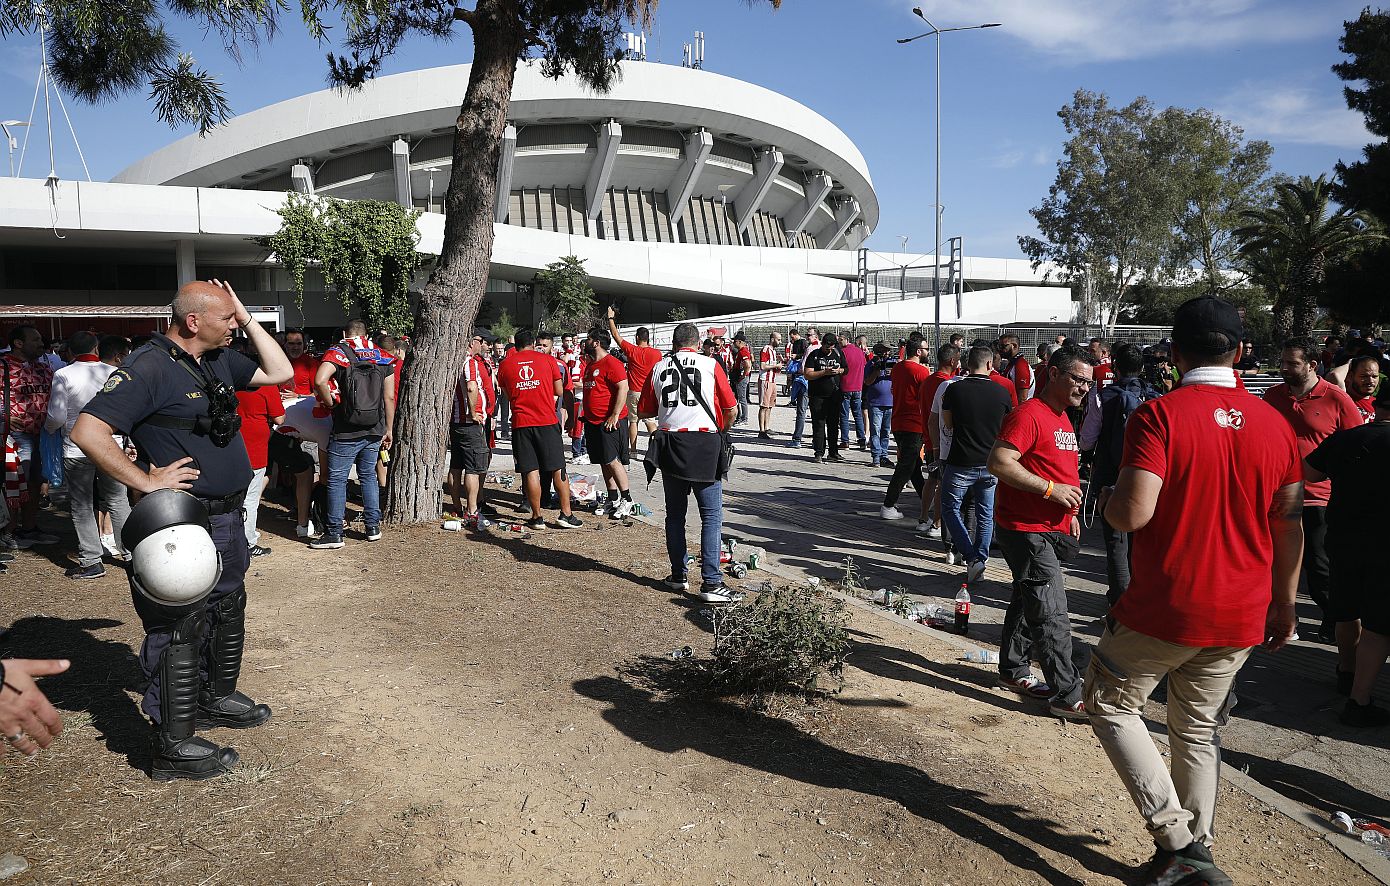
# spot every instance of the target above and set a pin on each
(161, 398)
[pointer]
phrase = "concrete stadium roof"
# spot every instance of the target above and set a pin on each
(262, 144)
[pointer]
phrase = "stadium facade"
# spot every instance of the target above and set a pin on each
(681, 188)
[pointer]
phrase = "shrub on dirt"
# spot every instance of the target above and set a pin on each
(791, 638)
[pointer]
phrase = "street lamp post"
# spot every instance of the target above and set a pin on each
(936, 249)
(10, 140)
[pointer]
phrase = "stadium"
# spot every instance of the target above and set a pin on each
(681, 188)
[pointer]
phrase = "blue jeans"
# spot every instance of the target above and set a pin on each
(880, 429)
(710, 499)
(342, 455)
(955, 484)
(851, 404)
(803, 406)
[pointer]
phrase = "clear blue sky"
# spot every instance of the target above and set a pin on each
(1262, 63)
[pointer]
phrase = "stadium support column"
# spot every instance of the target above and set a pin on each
(400, 165)
(857, 234)
(610, 137)
(185, 261)
(506, 161)
(817, 186)
(846, 214)
(765, 168)
(682, 185)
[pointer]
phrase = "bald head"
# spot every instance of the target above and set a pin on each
(195, 298)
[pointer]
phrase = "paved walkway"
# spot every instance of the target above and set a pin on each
(812, 517)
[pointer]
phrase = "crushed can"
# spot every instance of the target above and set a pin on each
(738, 570)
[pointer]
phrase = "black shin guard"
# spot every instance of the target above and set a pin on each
(177, 752)
(219, 704)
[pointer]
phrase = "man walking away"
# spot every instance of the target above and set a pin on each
(1358, 461)
(89, 490)
(470, 430)
(356, 381)
(1315, 409)
(534, 382)
(1103, 434)
(1036, 458)
(908, 424)
(824, 368)
(929, 518)
(641, 357)
(690, 398)
(973, 409)
(878, 397)
(606, 420)
(1200, 596)
(1014, 366)
(797, 386)
(852, 395)
(768, 363)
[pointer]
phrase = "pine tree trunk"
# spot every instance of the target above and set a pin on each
(450, 301)
(1283, 319)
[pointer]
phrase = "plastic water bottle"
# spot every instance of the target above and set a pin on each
(982, 656)
(452, 525)
(935, 612)
(962, 610)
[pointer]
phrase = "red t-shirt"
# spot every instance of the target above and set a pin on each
(1367, 408)
(257, 408)
(1007, 385)
(906, 380)
(640, 360)
(1104, 375)
(1315, 416)
(1202, 566)
(528, 378)
(1048, 443)
(601, 380)
(929, 388)
(305, 366)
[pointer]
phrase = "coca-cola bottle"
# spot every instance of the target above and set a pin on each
(963, 610)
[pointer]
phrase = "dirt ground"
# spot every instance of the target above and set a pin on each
(456, 708)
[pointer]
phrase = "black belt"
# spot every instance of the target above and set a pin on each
(227, 504)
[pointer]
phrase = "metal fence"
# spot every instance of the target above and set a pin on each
(1029, 337)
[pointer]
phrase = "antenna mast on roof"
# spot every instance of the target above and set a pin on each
(697, 60)
(636, 46)
(685, 55)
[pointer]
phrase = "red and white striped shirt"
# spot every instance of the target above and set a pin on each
(475, 369)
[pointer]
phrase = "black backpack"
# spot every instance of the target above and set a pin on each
(1117, 404)
(361, 391)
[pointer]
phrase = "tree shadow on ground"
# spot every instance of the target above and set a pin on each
(728, 731)
(102, 672)
(1309, 787)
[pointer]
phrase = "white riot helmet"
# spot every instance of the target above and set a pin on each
(173, 561)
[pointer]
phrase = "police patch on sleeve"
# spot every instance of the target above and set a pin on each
(116, 378)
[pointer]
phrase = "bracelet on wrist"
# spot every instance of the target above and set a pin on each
(1048, 492)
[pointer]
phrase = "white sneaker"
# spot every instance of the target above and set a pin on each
(932, 531)
(890, 513)
(108, 544)
(975, 572)
(720, 594)
(951, 557)
(622, 510)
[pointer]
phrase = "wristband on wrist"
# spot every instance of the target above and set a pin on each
(1050, 487)
(4, 685)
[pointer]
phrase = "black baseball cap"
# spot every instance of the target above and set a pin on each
(1207, 326)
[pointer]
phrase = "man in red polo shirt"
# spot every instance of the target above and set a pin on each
(533, 381)
(1015, 367)
(1316, 409)
(908, 424)
(1363, 377)
(606, 420)
(641, 357)
(1209, 485)
(1037, 462)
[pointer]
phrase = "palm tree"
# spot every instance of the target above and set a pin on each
(1286, 248)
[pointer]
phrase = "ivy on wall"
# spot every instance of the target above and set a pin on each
(365, 249)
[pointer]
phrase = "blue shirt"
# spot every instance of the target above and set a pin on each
(878, 384)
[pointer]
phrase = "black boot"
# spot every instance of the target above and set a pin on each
(178, 753)
(219, 704)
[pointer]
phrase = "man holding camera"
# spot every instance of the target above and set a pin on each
(176, 398)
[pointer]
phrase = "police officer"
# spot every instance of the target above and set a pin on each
(176, 398)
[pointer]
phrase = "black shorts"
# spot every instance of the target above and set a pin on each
(538, 448)
(468, 449)
(1358, 586)
(606, 446)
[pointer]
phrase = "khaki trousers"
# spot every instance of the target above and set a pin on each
(1178, 808)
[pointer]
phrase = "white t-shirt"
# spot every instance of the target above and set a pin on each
(944, 434)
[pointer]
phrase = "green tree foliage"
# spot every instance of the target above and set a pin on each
(1143, 194)
(1356, 292)
(564, 289)
(1288, 246)
(365, 249)
(1153, 304)
(105, 48)
(503, 327)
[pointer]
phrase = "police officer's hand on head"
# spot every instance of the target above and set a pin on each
(241, 315)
